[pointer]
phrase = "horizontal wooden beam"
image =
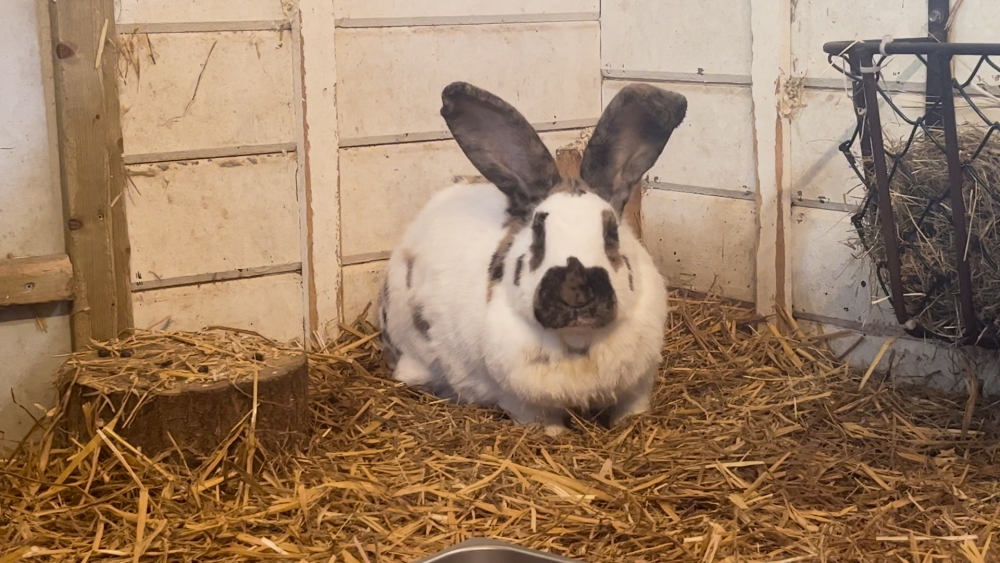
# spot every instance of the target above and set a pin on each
(39, 279)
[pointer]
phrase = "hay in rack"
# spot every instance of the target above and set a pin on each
(760, 447)
(922, 210)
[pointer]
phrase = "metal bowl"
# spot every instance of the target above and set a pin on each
(492, 551)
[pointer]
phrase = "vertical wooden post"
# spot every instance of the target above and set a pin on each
(85, 60)
(770, 22)
(319, 165)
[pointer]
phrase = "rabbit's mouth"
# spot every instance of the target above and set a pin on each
(576, 297)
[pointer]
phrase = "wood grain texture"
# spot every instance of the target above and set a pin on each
(92, 171)
(199, 416)
(39, 279)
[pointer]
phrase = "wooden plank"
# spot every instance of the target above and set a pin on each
(184, 91)
(384, 187)
(391, 78)
(271, 305)
(158, 11)
(706, 37)
(93, 174)
(771, 62)
(39, 279)
(468, 20)
(317, 72)
(237, 212)
(204, 27)
(354, 9)
(198, 279)
(819, 21)
(713, 147)
(702, 243)
(827, 278)
(361, 287)
(216, 152)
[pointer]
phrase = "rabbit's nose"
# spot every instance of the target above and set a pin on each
(575, 290)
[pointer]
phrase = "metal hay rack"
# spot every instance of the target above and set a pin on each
(861, 62)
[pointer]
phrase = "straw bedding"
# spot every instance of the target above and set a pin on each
(760, 447)
(922, 212)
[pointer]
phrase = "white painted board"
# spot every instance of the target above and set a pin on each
(198, 217)
(361, 286)
(713, 147)
(384, 187)
(270, 305)
(33, 341)
(827, 278)
(30, 199)
(815, 22)
(158, 11)
(819, 169)
(975, 21)
(391, 78)
(207, 90)
(358, 9)
(706, 37)
(701, 242)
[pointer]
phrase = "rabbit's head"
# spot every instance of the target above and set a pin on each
(560, 262)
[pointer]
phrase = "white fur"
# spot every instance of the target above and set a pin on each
(494, 353)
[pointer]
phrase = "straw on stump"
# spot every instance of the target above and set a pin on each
(187, 409)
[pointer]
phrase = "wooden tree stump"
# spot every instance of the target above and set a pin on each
(568, 159)
(198, 415)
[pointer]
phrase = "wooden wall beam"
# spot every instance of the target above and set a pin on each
(85, 60)
(770, 66)
(39, 279)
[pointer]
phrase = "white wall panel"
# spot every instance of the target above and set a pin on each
(815, 22)
(384, 187)
(361, 286)
(197, 217)
(706, 37)
(436, 8)
(207, 90)
(713, 147)
(30, 199)
(391, 78)
(819, 169)
(32, 339)
(976, 21)
(159, 11)
(271, 305)
(827, 279)
(701, 242)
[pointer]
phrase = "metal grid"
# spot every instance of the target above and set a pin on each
(862, 61)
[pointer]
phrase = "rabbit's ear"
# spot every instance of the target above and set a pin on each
(501, 144)
(628, 139)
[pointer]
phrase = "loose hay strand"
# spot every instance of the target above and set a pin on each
(759, 447)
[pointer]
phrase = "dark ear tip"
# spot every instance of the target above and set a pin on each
(670, 107)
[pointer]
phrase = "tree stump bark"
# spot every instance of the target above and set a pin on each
(197, 416)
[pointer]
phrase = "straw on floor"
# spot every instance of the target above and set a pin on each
(760, 447)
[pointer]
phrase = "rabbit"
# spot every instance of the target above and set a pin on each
(528, 293)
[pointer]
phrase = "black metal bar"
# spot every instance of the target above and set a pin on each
(911, 46)
(860, 105)
(969, 320)
(938, 12)
(874, 122)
